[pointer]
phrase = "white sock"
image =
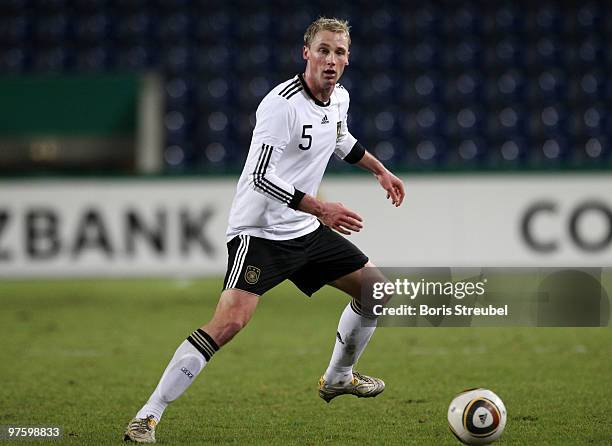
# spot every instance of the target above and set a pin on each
(354, 333)
(188, 360)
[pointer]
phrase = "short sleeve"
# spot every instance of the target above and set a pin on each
(275, 117)
(344, 141)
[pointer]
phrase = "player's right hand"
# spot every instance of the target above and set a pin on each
(340, 218)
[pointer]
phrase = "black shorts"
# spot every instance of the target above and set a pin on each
(257, 265)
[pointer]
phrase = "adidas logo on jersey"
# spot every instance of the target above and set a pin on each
(325, 120)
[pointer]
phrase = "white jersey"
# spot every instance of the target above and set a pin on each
(294, 137)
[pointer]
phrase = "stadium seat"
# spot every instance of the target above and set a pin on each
(426, 154)
(93, 59)
(134, 28)
(549, 153)
(507, 154)
(92, 29)
(12, 61)
(465, 87)
(507, 121)
(174, 27)
(466, 122)
(592, 153)
(467, 153)
(508, 87)
(503, 19)
(13, 30)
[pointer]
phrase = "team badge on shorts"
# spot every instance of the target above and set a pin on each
(251, 275)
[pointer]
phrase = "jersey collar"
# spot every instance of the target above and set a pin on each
(309, 93)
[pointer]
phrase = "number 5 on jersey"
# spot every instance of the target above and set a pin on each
(306, 136)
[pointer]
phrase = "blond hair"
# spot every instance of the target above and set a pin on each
(326, 24)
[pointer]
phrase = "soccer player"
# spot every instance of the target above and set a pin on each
(279, 230)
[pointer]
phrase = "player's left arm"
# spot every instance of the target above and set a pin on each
(389, 182)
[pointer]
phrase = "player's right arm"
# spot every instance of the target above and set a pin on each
(275, 118)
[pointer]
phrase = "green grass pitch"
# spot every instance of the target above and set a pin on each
(86, 354)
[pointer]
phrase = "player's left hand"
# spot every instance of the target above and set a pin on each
(394, 187)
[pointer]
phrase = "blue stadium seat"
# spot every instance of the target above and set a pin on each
(548, 85)
(90, 6)
(93, 59)
(51, 60)
(92, 29)
(464, 55)
(507, 52)
(465, 20)
(135, 58)
(377, 19)
(424, 20)
(135, 28)
(13, 61)
(551, 119)
(215, 91)
(503, 19)
(380, 88)
(545, 51)
(586, 18)
(427, 154)
(253, 26)
(590, 121)
(390, 150)
(13, 30)
(428, 121)
(51, 30)
(507, 88)
(425, 54)
(467, 122)
(594, 152)
(587, 87)
(549, 153)
(174, 158)
(176, 124)
(586, 52)
(380, 124)
(174, 28)
(214, 59)
(465, 87)
(507, 121)
(421, 89)
(508, 153)
(546, 18)
(180, 92)
(255, 58)
(177, 59)
(466, 153)
(251, 88)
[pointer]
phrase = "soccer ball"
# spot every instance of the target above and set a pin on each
(477, 416)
